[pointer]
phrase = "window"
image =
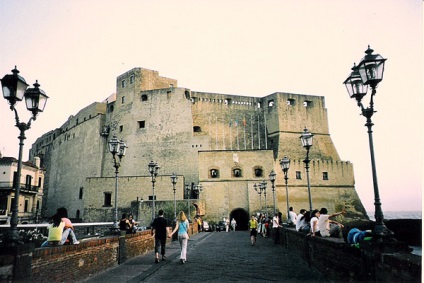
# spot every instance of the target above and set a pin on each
(131, 79)
(121, 129)
(325, 175)
(81, 193)
(26, 206)
(141, 124)
(123, 99)
(151, 197)
(108, 199)
(270, 103)
(40, 182)
(298, 175)
(197, 129)
(28, 181)
(214, 173)
(123, 83)
(258, 172)
(307, 103)
(3, 205)
(290, 101)
(78, 214)
(111, 108)
(237, 173)
(144, 97)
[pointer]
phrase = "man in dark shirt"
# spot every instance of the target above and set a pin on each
(160, 231)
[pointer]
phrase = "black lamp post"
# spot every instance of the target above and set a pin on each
(306, 139)
(188, 191)
(117, 148)
(285, 165)
(263, 188)
(272, 177)
(174, 179)
(14, 90)
(153, 169)
(369, 72)
(258, 189)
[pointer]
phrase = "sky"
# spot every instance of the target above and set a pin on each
(76, 49)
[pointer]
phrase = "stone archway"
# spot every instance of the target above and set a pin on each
(242, 218)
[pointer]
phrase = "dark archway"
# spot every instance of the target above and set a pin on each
(242, 218)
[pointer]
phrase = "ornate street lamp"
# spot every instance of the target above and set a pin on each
(263, 188)
(258, 189)
(188, 191)
(306, 139)
(117, 148)
(153, 169)
(174, 179)
(369, 72)
(285, 165)
(14, 89)
(272, 177)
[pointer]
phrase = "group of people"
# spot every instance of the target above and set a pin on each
(60, 229)
(261, 225)
(227, 224)
(319, 223)
(128, 224)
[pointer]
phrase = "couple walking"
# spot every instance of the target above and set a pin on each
(160, 231)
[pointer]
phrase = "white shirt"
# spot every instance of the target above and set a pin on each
(292, 217)
(324, 225)
(314, 225)
(275, 222)
(298, 222)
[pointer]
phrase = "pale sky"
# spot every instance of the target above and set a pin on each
(76, 49)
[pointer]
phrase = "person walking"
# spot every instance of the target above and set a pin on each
(233, 224)
(227, 224)
(182, 228)
(253, 226)
(275, 226)
(159, 230)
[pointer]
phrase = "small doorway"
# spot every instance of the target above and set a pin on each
(242, 218)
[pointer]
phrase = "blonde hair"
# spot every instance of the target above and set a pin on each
(181, 216)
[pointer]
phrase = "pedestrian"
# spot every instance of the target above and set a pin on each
(159, 231)
(292, 217)
(124, 223)
(182, 228)
(233, 224)
(68, 231)
(199, 224)
(299, 217)
(55, 232)
(314, 223)
(253, 226)
(328, 227)
(275, 228)
(227, 224)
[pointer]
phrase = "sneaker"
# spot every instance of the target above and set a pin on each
(76, 243)
(163, 258)
(182, 261)
(156, 260)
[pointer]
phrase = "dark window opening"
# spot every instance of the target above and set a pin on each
(141, 124)
(325, 175)
(121, 129)
(81, 193)
(108, 199)
(258, 172)
(290, 101)
(26, 205)
(144, 97)
(214, 173)
(197, 129)
(151, 197)
(298, 175)
(237, 173)
(270, 103)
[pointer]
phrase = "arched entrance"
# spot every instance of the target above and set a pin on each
(242, 218)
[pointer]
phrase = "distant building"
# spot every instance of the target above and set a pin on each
(31, 189)
(227, 143)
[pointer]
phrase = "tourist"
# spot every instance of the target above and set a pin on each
(55, 232)
(292, 217)
(227, 224)
(68, 231)
(233, 224)
(199, 224)
(253, 226)
(299, 217)
(159, 231)
(328, 227)
(305, 223)
(132, 224)
(124, 223)
(275, 229)
(314, 223)
(182, 227)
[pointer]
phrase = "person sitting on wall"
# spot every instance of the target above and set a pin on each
(132, 228)
(55, 232)
(68, 231)
(314, 223)
(124, 223)
(328, 227)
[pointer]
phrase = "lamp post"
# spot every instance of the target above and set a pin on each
(117, 148)
(272, 177)
(153, 169)
(285, 165)
(263, 186)
(188, 190)
(14, 90)
(306, 139)
(174, 179)
(369, 72)
(258, 189)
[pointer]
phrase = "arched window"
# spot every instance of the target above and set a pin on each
(144, 97)
(237, 173)
(214, 173)
(197, 129)
(258, 172)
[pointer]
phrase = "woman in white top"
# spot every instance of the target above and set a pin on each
(314, 223)
(182, 227)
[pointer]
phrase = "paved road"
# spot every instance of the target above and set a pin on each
(216, 257)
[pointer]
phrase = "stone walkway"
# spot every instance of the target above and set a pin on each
(216, 257)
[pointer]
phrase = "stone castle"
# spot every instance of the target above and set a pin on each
(226, 143)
